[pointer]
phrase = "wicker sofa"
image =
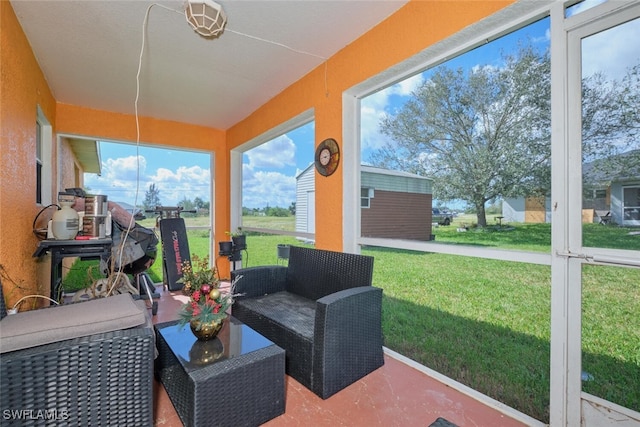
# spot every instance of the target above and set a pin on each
(322, 310)
(83, 364)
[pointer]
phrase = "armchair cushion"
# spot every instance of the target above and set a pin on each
(287, 310)
(37, 327)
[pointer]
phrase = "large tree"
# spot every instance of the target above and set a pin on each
(151, 198)
(484, 133)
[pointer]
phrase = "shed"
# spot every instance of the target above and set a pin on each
(394, 204)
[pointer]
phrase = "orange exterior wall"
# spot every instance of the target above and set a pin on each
(412, 29)
(22, 88)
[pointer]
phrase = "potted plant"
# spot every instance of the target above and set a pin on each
(283, 251)
(226, 248)
(207, 307)
(239, 239)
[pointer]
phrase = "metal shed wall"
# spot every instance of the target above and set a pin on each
(305, 183)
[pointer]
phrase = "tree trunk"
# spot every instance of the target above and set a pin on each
(482, 215)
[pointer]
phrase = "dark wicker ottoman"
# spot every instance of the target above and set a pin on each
(236, 379)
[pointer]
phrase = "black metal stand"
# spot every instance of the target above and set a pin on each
(60, 249)
(143, 280)
(233, 253)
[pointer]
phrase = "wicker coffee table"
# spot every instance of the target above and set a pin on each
(237, 379)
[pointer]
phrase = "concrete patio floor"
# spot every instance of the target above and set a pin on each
(401, 393)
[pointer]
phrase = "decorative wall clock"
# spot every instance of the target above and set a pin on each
(327, 157)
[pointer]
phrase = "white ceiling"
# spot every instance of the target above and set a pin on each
(89, 52)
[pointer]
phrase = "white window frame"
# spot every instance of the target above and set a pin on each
(568, 401)
(45, 143)
(627, 222)
(368, 197)
(236, 172)
(565, 393)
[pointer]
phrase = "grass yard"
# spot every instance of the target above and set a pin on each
(486, 323)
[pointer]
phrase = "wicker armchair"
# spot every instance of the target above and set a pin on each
(102, 379)
(322, 310)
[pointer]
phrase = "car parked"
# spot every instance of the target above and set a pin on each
(441, 217)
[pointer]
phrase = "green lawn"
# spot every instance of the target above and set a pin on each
(486, 323)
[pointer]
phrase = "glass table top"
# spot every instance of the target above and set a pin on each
(234, 339)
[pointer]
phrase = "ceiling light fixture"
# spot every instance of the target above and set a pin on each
(206, 17)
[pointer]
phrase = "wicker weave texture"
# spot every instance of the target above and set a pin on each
(245, 390)
(346, 343)
(315, 273)
(99, 380)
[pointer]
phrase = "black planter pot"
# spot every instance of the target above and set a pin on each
(235, 256)
(226, 248)
(239, 242)
(283, 251)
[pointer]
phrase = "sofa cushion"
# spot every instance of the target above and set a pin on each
(37, 327)
(288, 310)
(288, 320)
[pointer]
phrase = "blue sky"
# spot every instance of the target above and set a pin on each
(269, 170)
(177, 174)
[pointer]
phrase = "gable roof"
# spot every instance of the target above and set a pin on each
(622, 167)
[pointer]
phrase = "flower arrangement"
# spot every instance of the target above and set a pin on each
(207, 302)
(239, 239)
(193, 280)
(205, 306)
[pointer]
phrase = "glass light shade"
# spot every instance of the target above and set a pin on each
(206, 17)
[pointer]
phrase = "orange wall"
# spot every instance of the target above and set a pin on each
(22, 89)
(413, 28)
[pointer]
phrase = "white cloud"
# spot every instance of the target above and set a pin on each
(374, 108)
(184, 182)
(612, 51)
(265, 181)
(120, 178)
(261, 188)
(277, 154)
(584, 5)
(124, 169)
(406, 87)
(370, 116)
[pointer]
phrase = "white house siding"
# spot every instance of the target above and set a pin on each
(513, 210)
(305, 184)
(618, 203)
